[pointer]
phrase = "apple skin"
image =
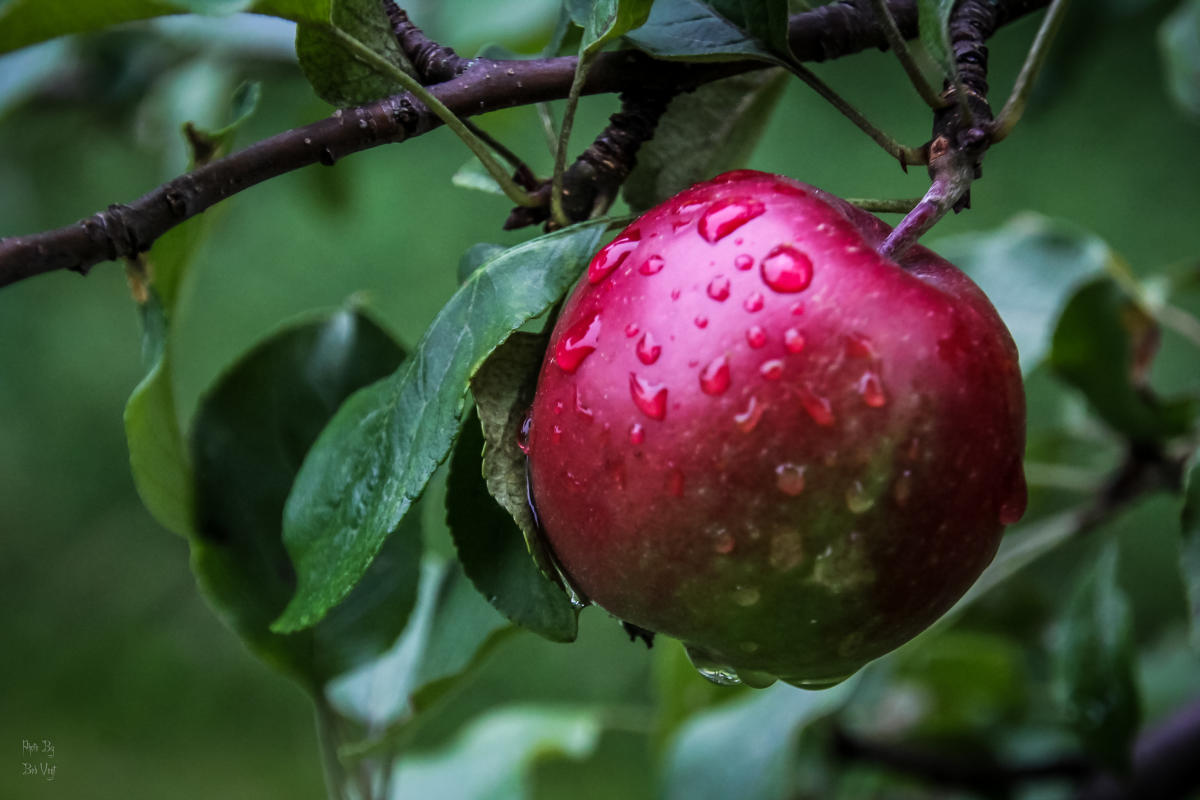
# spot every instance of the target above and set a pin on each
(755, 434)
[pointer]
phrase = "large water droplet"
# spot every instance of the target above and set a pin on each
(871, 389)
(772, 370)
(613, 256)
(790, 478)
(637, 434)
(746, 596)
(650, 398)
(648, 350)
(652, 265)
(817, 407)
(748, 418)
(787, 270)
(578, 343)
(793, 340)
(756, 337)
(718, 288)
(858, 500)
(814, 684)
(726, 216)
(744, 262)
(754, 302)
(710, 668)
(714, 378)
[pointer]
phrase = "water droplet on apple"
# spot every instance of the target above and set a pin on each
(578, 343)
(756, 337)
(613, 256)
(675, 483)
(859, 346)
(637, 434)
(674, 294)
(790, 478)
(817, 407)
(754, 302)
(814, 684)
(746, 596)
(871, 389)
(710, 668)
(701, 321)
(772, 370)
(793, 340)
(724, 543)
(523, 434)
(581, 410)
(902, 488)
(714, 378)
(718, 288)
(797, 309)
(652, 265)
(747, 419)
(744, 262)
(648, 350)
(725, 216)
(752, 677)
(650, 398)
(559, 406)
(556, 434)
(787, 551)
(857, 498)
(787, 270)
(632, 329)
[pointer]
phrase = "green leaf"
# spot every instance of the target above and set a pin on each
(493, 552)
(472, 175)
(704, 133)
(475, 257)
(1190, 550)
(448, 634)
(1095, 664)
(689, 29)
(605, 20)
(765, 20)
(933, 17)
(745, 749)
(376, 455)
(1179, 40)
(1104, 345)
(1029, 268)
(491, 759)
(351, 57)
(249, 438)
(158, 458)
(26, 22)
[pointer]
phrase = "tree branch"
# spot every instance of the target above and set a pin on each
(486, 85)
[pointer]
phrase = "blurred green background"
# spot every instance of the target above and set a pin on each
(106, 648)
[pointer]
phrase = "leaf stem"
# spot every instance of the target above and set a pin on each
(1014, 107)
(557, 213)
(885, 206)
(900, 48)
(905, 155)
(458, 126)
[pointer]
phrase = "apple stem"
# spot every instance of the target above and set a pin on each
(953, 171)
(896, 42)
(1014, 107)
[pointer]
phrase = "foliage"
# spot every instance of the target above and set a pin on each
(303, 456)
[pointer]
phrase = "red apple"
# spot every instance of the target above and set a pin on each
(754, 433)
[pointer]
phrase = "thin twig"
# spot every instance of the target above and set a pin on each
(885, 206)
(900, 48)
(1014, 107)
